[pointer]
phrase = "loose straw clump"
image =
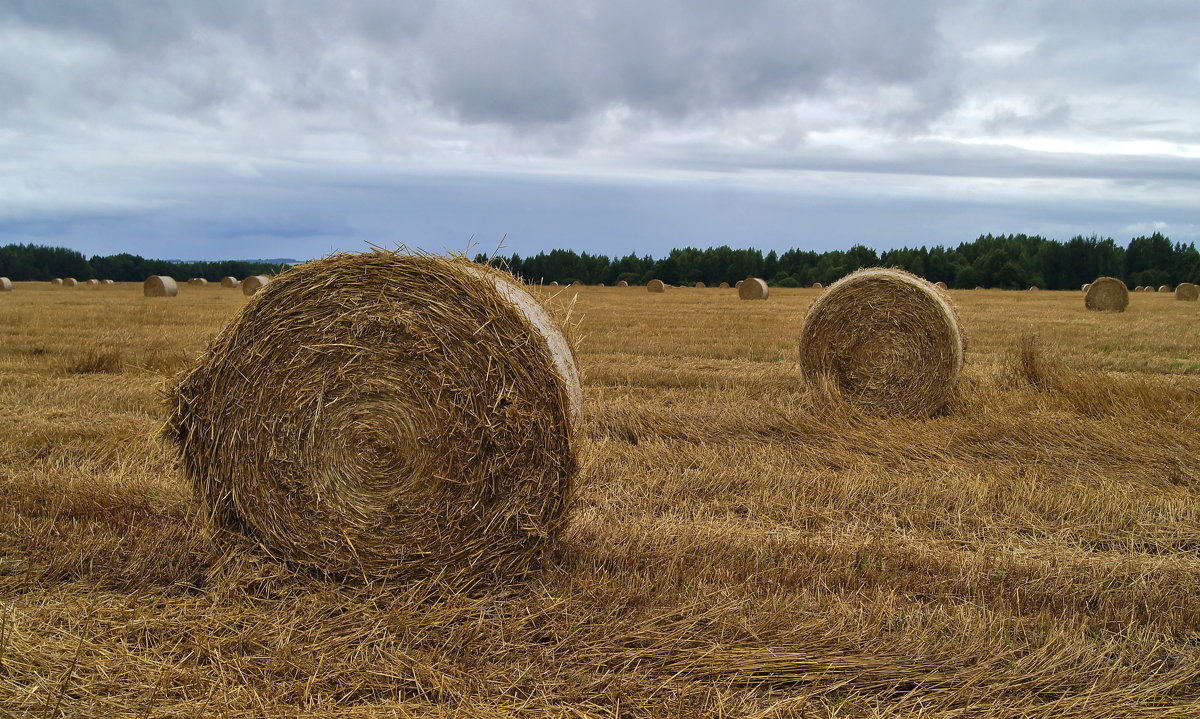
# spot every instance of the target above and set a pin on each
(229, 282)
(254, 283)
(386, 415)
(753, 288)
(159, 286)
(656, 286)
(1187, 291)
(888, 340)
(1107, 294)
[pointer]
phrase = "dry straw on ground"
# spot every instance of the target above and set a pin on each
(1107, 294)
(159, 286)
(656, 286)
(386, 415)
(1187, 291)
(753, 288)
(254, 283)
(887, 340)
(229, 282)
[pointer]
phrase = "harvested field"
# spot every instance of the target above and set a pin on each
(740, 544)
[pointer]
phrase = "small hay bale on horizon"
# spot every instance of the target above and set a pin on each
(816, 286)
(1034, 288)
(93, 282)
(198, 281)
(941, 285)
(1086, 286)
(5, 284)
(888, 340)
(229, 282)
(701, 285)
(1107, 294)
(577, 283)
(753, 288)
(1187, 292)
(622, 283)
(1164, 288)
(108, 283)
(723, 286)
(421, 414)
(57, 281)
(254, 283)
(656, 286)
(70, 282)
(159, 286)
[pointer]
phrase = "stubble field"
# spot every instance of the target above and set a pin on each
(740, 545)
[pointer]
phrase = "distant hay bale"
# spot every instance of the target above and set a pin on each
(738, 286)
(1086, 286)
(723, 286)
(198, 281)
(701, 285)
(386, 416)
(978, 287)
(1164, 288)
(888, 340)
(57, 281)
(941, 285)
(1034, 288)
(108, 282)
(93, 282)
(554, 284)
(229, 282)
(5, 284)
(622, 283)
(577, 283)
(656, 286)
(70, 282)
(254, 283)
(1107, 294)
(753, 288)
(816, 286)
(1187, 291)
(159, 286)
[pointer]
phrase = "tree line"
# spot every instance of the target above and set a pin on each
(35, 262)
(992, 261)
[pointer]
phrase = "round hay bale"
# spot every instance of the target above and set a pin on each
(701, 285)
(978, 287)
(577, 283)
(554, 284)
(753, 288)
(887, 339)
(57, 281)
(386, 415)
(254, 283)
(229, 282)
(198, 281)
(70, 282)
(1086, 286)
(1164, 288)
(738, 286)
(1107, 294)
(107, 283)
(622, 283)
(159, 286)
(656, 286)
(1034, 288)
(5, 284)
(723, 286)
(1187, 291)
(93, 282)
(816, 286)
(941, 285)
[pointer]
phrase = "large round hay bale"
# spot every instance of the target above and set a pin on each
(622, 283)
(701, 285)
(723, 286)
(5, 284)
(386, 415)
(159, 286)
(1107, 294)
(887, 339)
(229, 282)
(656, 286)
(254, 283)
(1086, 286)
(941, 285)
(1187, 291)
(753, 288)
(70, 282)
(57, 281)
(1164, 288)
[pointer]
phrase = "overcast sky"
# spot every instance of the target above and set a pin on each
(219, 129)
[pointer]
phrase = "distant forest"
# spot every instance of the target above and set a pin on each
(34, 262)
(993, 261)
